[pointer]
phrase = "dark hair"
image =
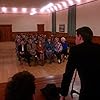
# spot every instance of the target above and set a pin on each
(21, 87)
(86, 33)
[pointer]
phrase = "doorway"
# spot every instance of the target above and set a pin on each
(40, 27)
(5, 32)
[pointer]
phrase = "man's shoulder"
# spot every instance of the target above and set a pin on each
(83, 46)
(76, 46)
(96, 44)
(86, 44)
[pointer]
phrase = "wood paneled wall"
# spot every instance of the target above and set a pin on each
(70, 39)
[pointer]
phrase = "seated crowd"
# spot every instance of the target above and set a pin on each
(40, 48)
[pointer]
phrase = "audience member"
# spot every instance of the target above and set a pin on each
(58, 49)
(23, 52)
(49, 49)
(65, 47)
(40, 52)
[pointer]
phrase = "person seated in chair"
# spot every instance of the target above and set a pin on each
(49, 49)
(23, 52)
(31, 47)
(58, 49)
(65, 47)
(40, 52)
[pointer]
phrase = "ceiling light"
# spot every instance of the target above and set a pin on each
(70, 2)
(78, 1)
(33, 9)
(48, 10)
(59, 6)
(32, 13)
(24, 10)
(51, 9)
(4, 9)
(55, 7)
(14, 10)
(64, 4)
(46, 7)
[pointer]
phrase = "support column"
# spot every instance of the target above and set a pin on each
(54, 22)
(72, 20)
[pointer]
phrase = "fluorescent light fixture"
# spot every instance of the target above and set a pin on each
(64, 4)
(70, 2)
(51, 9)
(48, 10)
(33, 9)
(59, 6)
(24, 10)
(55, 8)
(32, 13)
(78, 1)
(14, 10)
(46, 7)
(4, 9)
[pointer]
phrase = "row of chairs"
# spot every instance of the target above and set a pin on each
(34, 59)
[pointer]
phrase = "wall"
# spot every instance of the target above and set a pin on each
(29, 23)
(86, 15)
(61, 18)
(24, 22)
(89, 15)
(49, 23)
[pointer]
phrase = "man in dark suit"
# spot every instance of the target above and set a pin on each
(85, 57)
(23, 52)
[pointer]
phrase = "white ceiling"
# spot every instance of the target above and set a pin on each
(35, 4)
(26, 3)
(32, 3)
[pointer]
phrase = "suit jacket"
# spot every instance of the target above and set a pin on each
(20, 48)
(85, 58)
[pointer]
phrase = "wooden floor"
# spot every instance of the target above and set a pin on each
(9, 64)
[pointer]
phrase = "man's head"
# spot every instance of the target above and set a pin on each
(83, 34)
(63, 39)
(21, 87)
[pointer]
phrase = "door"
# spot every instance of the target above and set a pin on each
(5, 32)
(40, 27)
